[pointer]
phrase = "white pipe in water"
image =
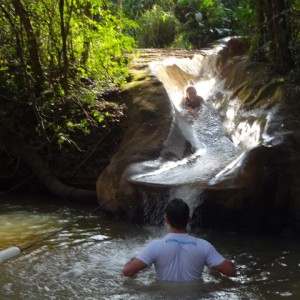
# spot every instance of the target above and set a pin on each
(9, 253)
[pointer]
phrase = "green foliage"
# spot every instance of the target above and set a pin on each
(204, 21)
(134, 9)
(157, 28)
(272, 29)
(81, 48)
(107, 43)
(57, 57)
(181, 41)
(243, 18)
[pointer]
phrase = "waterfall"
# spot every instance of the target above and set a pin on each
(197, 149)
(233, 159)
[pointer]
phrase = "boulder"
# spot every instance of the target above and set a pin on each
(259, 110)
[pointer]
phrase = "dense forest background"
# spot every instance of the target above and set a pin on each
(63, 64)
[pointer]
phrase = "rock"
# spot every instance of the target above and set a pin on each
(261, 192)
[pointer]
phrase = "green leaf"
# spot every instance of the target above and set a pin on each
(182, 3)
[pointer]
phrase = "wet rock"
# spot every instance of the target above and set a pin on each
(261, 192)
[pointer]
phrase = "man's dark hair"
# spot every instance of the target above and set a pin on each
(177, 213)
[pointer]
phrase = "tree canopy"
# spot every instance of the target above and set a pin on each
(57, 61)
(271, 25)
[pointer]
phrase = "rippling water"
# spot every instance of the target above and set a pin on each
(84, 258)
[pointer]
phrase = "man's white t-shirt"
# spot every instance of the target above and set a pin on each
(180, 257)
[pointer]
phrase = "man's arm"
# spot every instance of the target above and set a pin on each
(133, 266)
(226, 268)
(201, 102)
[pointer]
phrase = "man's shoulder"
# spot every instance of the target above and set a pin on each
(185, 236)
(198, 240)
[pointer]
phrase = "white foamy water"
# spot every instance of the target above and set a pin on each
(198, 168)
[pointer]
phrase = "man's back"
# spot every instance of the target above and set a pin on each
(180, 257)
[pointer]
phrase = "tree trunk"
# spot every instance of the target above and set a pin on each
(64, 46)
(12, 144)
(86, 43)
(269, 27)
(33, 48)
(260, 21)
(281, 35)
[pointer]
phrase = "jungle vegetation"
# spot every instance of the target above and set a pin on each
(63, 63)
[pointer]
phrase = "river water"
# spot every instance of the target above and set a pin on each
(71, 252)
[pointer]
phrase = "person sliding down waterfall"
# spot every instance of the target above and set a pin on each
(179, 256)
(191, 102)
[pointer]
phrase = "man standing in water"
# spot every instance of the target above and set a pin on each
(179, 256)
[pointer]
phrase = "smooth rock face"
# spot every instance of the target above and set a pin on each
(149, 120)
(261, 192)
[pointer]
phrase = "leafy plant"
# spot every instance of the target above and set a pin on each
(158, 28)
(57, 56)
(204, 21)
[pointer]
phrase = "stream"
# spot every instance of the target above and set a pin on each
(75, 253)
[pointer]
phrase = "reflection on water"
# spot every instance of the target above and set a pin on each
(23, 226)
(84, 260)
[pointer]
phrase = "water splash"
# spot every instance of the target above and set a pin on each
(199, 167)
